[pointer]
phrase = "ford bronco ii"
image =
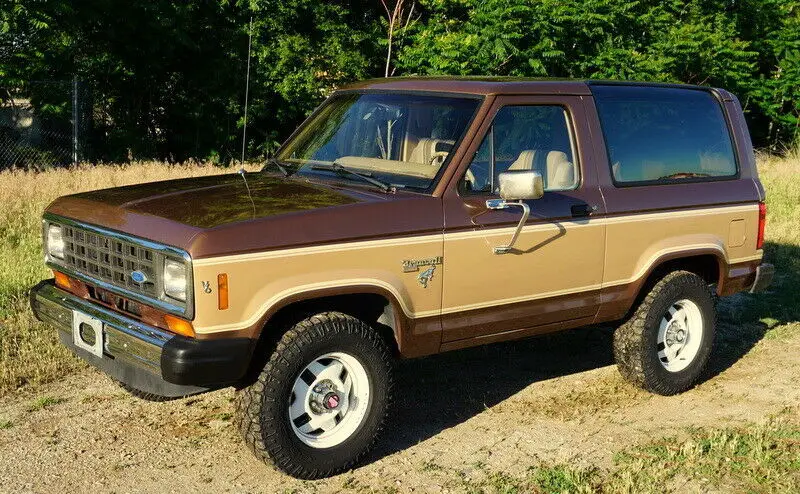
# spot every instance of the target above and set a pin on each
(407, 217)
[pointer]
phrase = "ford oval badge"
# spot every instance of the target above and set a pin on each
(138, 277)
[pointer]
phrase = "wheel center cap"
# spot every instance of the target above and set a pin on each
(331, 401)
(676, 333)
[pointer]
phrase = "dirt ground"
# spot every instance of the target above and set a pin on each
(502, 408)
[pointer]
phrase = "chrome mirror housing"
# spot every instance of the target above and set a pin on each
(521, 185)
(516, 187)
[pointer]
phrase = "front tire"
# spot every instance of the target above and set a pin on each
(665, 345)
(320, 401)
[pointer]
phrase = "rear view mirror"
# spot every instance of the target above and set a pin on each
(521, 185)
(516, 187)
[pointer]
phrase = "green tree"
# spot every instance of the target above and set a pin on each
(778, 91)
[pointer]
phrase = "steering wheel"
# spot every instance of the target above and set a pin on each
(438, 158)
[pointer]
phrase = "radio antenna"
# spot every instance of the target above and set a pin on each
(247, 87)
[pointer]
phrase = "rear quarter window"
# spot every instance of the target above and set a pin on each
(657, 135)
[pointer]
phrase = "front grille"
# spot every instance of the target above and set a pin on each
(110, 259)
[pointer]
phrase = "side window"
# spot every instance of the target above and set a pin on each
(525, 138)
(664, 134)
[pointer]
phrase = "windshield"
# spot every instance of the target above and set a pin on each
(400, 139)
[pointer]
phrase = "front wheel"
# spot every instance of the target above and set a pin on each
(320, 401)
(665, 345)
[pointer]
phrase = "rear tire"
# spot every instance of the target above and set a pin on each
(665, 345)
(321, 399)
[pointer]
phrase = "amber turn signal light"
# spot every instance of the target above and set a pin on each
(222, 291)
(179, 326)
(62, 280)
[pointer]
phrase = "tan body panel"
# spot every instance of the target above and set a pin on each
(551, 260)
(542, 274)
(258, 282)
(634, 243)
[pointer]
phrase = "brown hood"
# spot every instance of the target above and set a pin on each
(215, 215)
(208, 202)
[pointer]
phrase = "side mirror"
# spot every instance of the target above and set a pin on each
(521, 185)
(514, 188)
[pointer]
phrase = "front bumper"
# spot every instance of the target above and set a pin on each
(764, 274)
(142, 356)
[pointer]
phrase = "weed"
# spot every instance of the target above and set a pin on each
(44, 402)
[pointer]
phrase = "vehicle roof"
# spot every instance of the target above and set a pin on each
(495, 85)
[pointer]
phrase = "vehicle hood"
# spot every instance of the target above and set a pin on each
(208, 202)
(216, 214)
(177, 212)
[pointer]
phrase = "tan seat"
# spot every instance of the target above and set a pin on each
(425, 149)
(559, 173)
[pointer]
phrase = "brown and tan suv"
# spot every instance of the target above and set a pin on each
(407, 217)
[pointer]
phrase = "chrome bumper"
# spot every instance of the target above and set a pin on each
(142, 356)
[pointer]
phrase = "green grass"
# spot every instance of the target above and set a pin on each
(761, 458)
(29, 350)
(781, 303)
(6, 424)
(44, 402)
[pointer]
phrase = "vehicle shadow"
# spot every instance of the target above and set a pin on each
(744, 319)
(438, 392)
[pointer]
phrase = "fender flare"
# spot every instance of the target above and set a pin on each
(401, 323)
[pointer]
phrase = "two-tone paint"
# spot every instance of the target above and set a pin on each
(300, 239)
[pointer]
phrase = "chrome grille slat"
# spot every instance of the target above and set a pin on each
(106, 259)
(111, 260)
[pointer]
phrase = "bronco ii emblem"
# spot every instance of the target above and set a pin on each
(411, 265)
(426, 276)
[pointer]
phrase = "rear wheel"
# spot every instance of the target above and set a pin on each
(320, 401)
(665, 346)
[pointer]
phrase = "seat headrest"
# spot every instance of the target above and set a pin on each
(556, 169)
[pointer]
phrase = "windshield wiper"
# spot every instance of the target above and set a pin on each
(277, 164)
(338, 168)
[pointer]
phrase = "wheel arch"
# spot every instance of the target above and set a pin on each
(707, 262)
(374, 304)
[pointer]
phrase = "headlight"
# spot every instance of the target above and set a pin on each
(175, 279)
(55, 242)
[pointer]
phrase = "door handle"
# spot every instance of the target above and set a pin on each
(582, 210)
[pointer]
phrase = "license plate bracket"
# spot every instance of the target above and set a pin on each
(87, 333)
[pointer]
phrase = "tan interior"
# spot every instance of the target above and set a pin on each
(559, 173)
(423, 150)
(388, 166)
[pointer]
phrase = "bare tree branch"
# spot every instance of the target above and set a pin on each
(397, 16)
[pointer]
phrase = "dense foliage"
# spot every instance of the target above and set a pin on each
(166, 77)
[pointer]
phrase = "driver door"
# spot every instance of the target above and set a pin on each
(552, 275)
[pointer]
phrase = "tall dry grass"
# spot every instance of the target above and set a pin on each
(29, 353)
(28, 350)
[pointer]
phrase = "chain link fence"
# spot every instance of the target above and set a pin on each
(43, 124)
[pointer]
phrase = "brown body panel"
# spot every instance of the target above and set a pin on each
(290, 240)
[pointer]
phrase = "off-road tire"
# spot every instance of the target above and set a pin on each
(635, 341)
(261, 408)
